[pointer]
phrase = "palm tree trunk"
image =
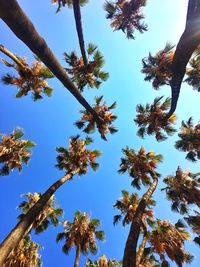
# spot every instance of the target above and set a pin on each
(12, 240)
(79, 29)
(141, 248)
(77, 258)
(187, 44)
(129, 259)
(12, 14)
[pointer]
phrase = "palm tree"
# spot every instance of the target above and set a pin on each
(74, 160)
(29, 78)
(14, 151)
(77, 15)
(25, 254)
(141, 166)
(90, 74)
(194, 222)
(157, 68)
(168, 239)
(12, 14)
(82, 234)
(103, 262)
(126, 16)
(127, 206)
(151, 119)
(188, 43)
(88, 123)
(189, 140)
(49, 215)
(183, 190)
(193, 72)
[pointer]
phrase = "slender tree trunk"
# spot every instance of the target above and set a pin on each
(79, 29)
(129, 259)
(187, 44)
(77, 258)
(141, 248)
(12, 240)
(12, 14)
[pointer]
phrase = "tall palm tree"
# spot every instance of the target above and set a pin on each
(90, 74)
(74, 160)
(127, 206)
(168, 239)
(189, 140)
(88, 124)
(30, 78)
(126, 16)
(188, 43)
(12, 14)
(183, 189)
(151, 119)
(14, 151)
(49, 215)
(157, 68)
(141, 166)
(25, 254)
(82, 234)
(194, 222)
(103, 262)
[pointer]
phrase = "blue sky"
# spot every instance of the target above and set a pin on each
(49, 122)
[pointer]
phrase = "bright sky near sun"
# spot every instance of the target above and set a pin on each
(50, 122)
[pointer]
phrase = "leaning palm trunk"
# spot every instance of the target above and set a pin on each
(79, 29)
(21, 229)
(12, 14)
(77, 258)
(187, 44)
(141, 248)
(129, 259)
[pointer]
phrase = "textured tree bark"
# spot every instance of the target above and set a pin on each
(129, 259)
(12, 14)
(77, 258)
(141, 248)
(12, 240)
(79, 29)
(187, 44)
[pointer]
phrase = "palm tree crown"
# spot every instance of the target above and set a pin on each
(141, 166)
(25, 254)
(88, 123)
(183, 189)
(127, 206)
(50, 214)
(189, 140)
(30, 78)
(77, 156)
(151, 119)
(103, 262)
(90, 75)
(126, 15)
(194, 222)
(169, 239)
(68, 3)
(157, 68)
(82, 232)
(14, 151)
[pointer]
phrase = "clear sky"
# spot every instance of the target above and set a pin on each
(49, 122)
